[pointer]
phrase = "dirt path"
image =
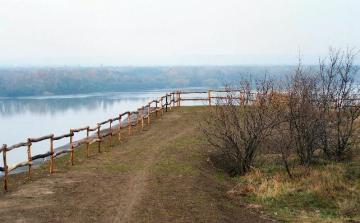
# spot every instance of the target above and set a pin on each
(157, 175)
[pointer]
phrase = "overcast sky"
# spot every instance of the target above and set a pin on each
(165, 32)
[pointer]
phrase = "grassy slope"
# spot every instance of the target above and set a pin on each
(164, 174)
(160, 174)
(328, 192)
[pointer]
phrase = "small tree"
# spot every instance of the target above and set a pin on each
(317, 110)
(339, 108)
(281, 141)
(238, 126)
(304, 117)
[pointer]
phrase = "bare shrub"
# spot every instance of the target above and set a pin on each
(310, 110)
(322, 109)
(304, 117)
(339, 107)
(238, 126)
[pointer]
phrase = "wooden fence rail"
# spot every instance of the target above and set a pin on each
(140, 114)
(165, 103)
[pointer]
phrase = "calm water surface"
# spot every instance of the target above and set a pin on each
(32, 117)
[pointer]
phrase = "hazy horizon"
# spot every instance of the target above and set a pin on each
(168, 33)
(153, 61)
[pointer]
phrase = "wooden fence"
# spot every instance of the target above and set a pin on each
(166, 102)
(157, 107)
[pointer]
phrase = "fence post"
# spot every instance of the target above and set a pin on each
(173, 99)
(129, 124)
(179, 99)
(149, 113)
(29, 157)
(162, 104)
(6, 168)
(209, 95)
(119, 127)
(99, 137)
(71, 147)
(137, 119)
(166, 102)
(170, 101)
(142, 117)
(111, 132)
(51, 156)
(88, 142)
(156, 106)
(177, 96)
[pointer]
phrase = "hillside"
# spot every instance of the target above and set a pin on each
(160, 174)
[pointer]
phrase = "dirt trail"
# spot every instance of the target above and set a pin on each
(156, 175)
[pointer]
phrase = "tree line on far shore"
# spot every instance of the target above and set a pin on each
(16, 82)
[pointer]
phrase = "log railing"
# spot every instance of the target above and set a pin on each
(124, 121)
(157, 107)
(239, 95)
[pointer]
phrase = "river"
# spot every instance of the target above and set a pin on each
(32, 117)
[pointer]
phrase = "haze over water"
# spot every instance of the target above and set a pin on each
(32, 117)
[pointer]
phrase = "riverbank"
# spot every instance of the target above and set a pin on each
(133, 120)
(160, 174)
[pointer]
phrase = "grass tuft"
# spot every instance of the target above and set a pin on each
(329, 192)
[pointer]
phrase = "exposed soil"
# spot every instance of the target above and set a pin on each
(160, 174)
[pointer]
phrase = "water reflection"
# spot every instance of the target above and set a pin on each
(34, 117)
(59, 104)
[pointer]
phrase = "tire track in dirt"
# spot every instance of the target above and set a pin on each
(138, 184)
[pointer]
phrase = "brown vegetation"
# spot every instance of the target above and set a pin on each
(307, 123)
(310, 110)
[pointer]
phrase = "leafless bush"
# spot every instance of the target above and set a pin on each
(322, 109)
(339, 109)
(310, 110)
(304, 117)
(282, 144)
(238, 126)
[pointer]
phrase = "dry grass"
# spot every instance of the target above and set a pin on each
(329, 192)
